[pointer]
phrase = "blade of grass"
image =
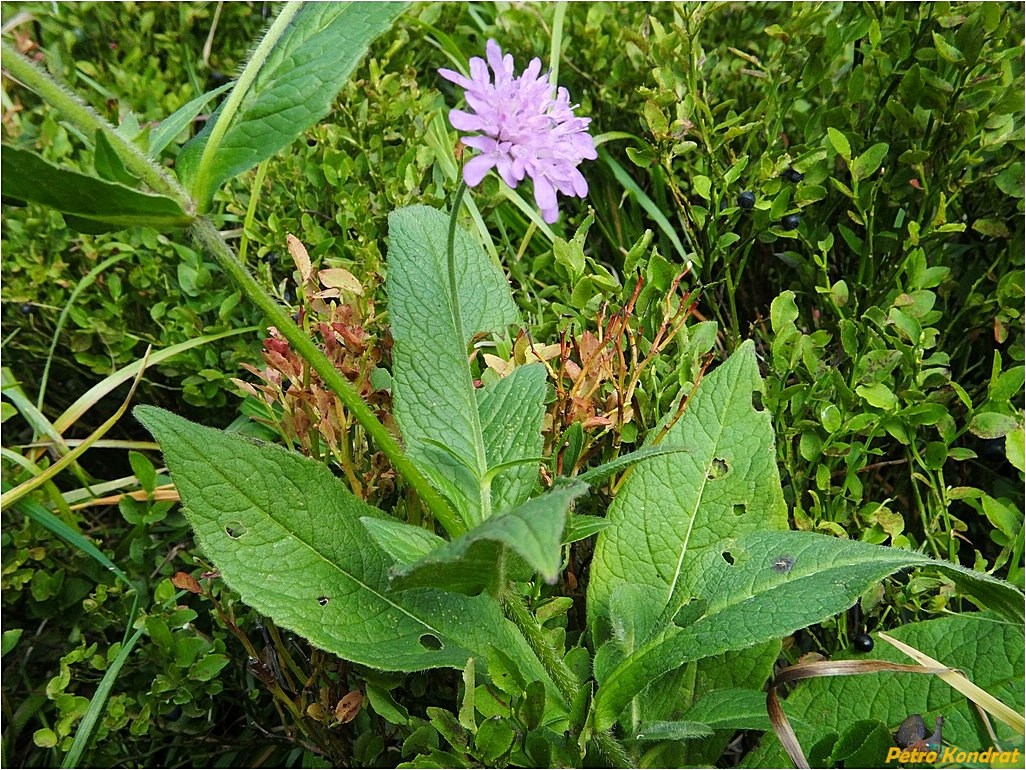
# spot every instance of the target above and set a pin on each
(69, 534)
(98, 703)
(557, 41)
(646, 203)
(12, 496)
(610, 136)
(958, 681)
(482, 229)
(528, 210)
(87, 280)
(443, 43)
(29, 412)
(109, 443)
(162, 494)
(101, 389)
(19, 459)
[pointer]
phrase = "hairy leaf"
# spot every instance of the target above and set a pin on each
(447, 425)
(404, 542)
(767, 585)
(288, 85)
(987, 648)
(477, 560)
(675, 506)
(105, 205)
(286, 534)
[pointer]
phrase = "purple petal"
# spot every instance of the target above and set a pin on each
(454, 77)
(482, 143)
(476, 168)
(464, 121)
(479, 72)
(505, 169)
(494, 55)
(580, 184)
(545, 195)
(531, 73)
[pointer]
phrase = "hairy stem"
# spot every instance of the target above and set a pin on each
(564, 679)
(613, 749)
(484, 485)
(450, 253)
(89, 122)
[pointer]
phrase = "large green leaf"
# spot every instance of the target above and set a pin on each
(478, 560)
(671, 695)
(765, 586)
(988, 649)
(286, 534)
(722, 482)
(675, 506)
(101, 204)
(482, 441)
(288, 85)
(512, 411)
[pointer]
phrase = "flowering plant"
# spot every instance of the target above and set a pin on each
(695, 576)
(525, 127)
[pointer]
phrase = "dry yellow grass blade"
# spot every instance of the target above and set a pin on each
(162, 493)
(976, 694)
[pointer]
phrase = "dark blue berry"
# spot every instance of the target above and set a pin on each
(793, 176)
(270, 258)
(791, 222)
(26, 309)
(863, 643)
(746, 200)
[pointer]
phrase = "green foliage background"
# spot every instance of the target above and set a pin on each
(889, 322)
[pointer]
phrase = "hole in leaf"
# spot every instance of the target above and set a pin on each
(728, 557)
(430, 642)
(783, 564)
(740, 509)
(235, 529)
(689, 612)
(322, 600)
(757, 401)
(717, 469)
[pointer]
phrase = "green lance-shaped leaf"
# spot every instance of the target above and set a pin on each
(179, 120)
(724, 483)
(480, 560)
(676, 505)
(101, 204)
(405, 543)
(448, 425)
(512, 411)
(767, 585)
(286, 534)
(291, 78)
(985, 647)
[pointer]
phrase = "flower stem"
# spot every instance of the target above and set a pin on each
(484, 483)
(564, 679)
(450, 247)
(613, 749)
(214, 244)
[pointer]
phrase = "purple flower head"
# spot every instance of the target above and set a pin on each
(524, 128)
